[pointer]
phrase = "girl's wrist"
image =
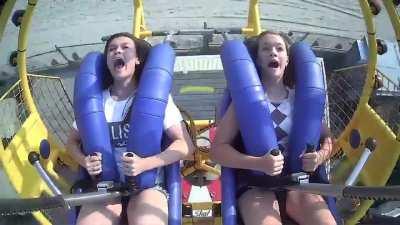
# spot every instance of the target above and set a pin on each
(321, 156)
(148, 163)
(81, 160)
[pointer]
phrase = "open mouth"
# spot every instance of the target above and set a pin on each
(119, 63)
(273, 64)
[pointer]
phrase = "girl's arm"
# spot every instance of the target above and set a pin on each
(326, 142)
(180, 148)
(223, 153)
(73, 147)
(312, 160)
(91, 163)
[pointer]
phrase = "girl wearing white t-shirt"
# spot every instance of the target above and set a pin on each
(125, 56)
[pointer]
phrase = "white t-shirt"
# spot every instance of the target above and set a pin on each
(116, 112)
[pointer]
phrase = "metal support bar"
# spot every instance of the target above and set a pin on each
(33, 158)
(358, 168)
(206, 31)
(370, 145)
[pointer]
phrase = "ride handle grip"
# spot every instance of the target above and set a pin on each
(275, 152)
(97, 178)
(310, 148)
(131, 180)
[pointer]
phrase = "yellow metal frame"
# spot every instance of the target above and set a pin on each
(5, 14)
(201, 154)
(367, 90)
(253, 20)
(372, 55)
(394, 18)
(139, 25)
(15, 157)
(21, 59)
(22, 175)
(388, 149)
(386, 153)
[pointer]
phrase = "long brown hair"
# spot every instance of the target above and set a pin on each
(253, 43)
(142, 51)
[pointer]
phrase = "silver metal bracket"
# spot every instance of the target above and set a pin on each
(104, 186)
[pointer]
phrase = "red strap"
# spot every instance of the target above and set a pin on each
(186, 188)
(212, 132)
(215, 186)
(215, 190)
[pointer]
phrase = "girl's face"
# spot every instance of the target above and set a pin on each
(272, 56)
(122, 58)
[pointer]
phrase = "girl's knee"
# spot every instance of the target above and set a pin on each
(259, 207)
(109, 214)
(150, 207)
(292, 209)
(308, 208)
(303, 202)
(147, 217)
